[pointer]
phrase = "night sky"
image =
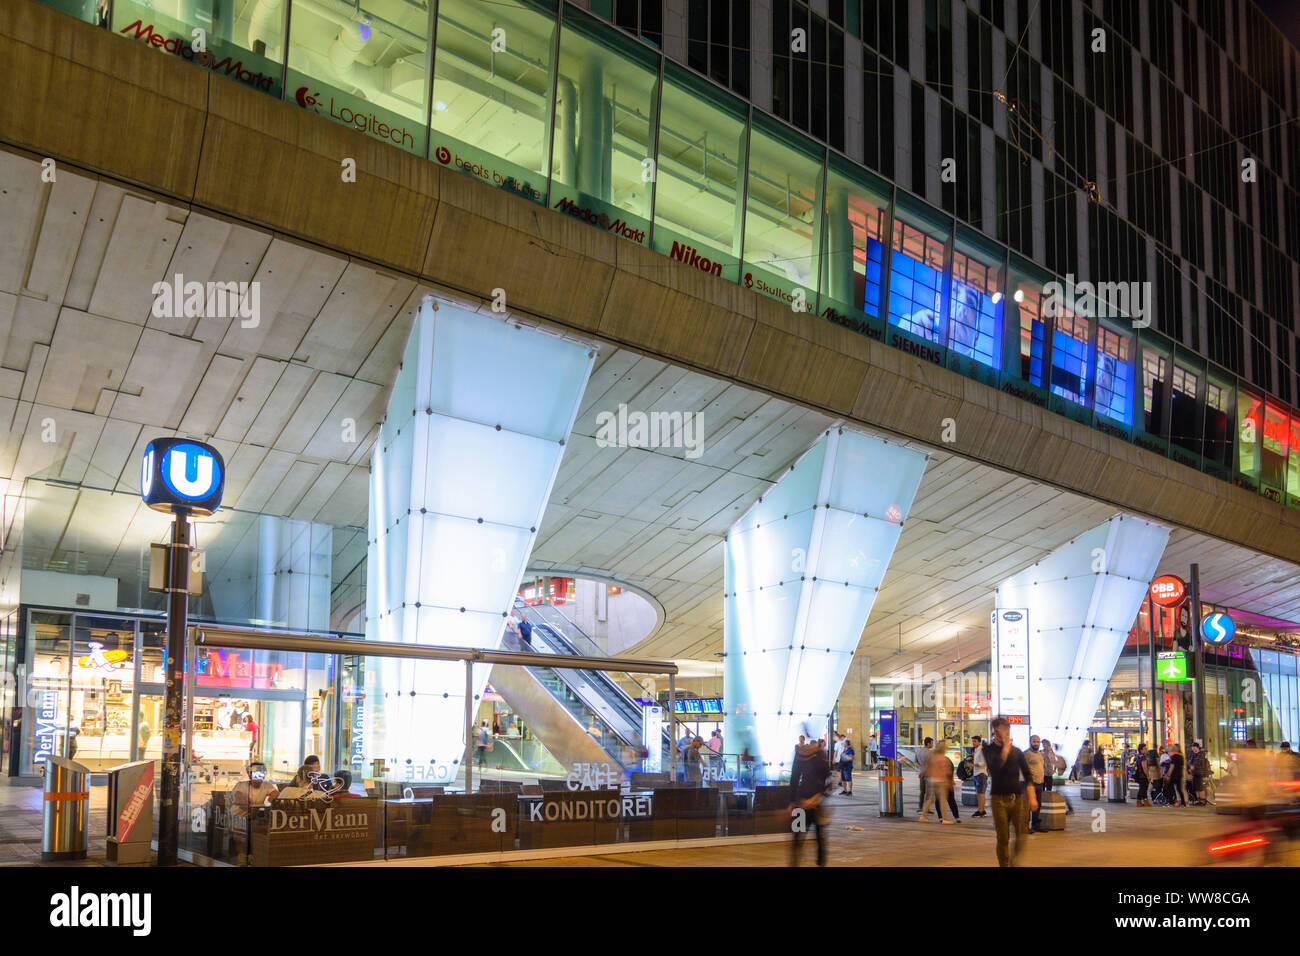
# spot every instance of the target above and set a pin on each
(1286, 14)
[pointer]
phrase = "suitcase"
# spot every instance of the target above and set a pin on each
(968, 794)
(1089, 789)
(1051, 815)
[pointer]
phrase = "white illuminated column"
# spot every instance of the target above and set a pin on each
(803, 567)
(459, 478)
(1081, 600)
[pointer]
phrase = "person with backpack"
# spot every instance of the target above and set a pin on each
(808, 786)
(1199, 765)
(846, 766)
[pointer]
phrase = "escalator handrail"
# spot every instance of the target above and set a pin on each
(616, 695)
(592, 649)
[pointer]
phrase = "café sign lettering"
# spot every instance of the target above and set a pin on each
(327, 822)
(614, 808)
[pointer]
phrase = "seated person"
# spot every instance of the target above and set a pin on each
(342, 784)
(253, 792)
(300, 785)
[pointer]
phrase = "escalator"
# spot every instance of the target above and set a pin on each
(583, 716)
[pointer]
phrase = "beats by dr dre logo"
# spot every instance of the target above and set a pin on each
(443, 154)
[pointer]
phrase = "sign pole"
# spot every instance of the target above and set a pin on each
(178, 580)
(1198, 686)
(1157, 736)
(470, 729)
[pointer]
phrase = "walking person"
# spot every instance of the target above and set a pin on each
(873, 750)
(695, 762)
(938, 776)
(807, 792)
(922, 761)
(715, 753)
(1099, 768)
(1012, 798)
(981, 774)
(1140, 777)
(1037, 770)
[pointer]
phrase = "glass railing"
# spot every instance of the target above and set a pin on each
(757, 203)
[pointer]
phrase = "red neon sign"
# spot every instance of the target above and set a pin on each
(1168, 590)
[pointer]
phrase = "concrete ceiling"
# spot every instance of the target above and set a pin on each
(88, 376)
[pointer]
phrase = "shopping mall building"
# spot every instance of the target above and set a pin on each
(784, 343)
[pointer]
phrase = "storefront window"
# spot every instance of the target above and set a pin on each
(241, 42)
(1273, 448)
(698, 197)
(916, 278)
(1185, 408)
(782, 226)
(1154, 427)
(605, 105)
(975, 309)
(49, 639)
(103, 688)
(1219, 431)
(1293, 462)
(1250, 424)
(1113, 397)
(1071, 370)
(857, 216)
(1029, 308)
(368, 69)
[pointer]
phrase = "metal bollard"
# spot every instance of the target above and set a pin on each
(891, 789)
(65, 817)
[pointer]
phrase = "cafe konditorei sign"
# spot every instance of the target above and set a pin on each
(177, 474)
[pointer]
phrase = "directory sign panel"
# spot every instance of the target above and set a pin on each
(1011, 661)
(888, 734)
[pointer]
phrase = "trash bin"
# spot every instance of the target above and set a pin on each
(1116, 781)
(891, 789)
(65, 816)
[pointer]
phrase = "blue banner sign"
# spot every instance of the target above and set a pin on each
(888, 734)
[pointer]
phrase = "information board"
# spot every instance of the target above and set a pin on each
(888, 734)
(1011, 661)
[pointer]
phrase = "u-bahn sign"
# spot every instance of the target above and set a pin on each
(1168, 590)
(177, 474)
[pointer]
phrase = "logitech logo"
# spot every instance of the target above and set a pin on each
(190, 471)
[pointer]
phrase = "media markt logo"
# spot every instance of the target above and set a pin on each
(620, 226)
(363, 122)
(76, 909)
(148, 33)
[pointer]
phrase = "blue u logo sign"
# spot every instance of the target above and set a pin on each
(180, 474)
(190, 470)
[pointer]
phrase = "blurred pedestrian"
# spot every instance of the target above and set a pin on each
(808, 779)
(1011, 796)
(1099, 766)
(695, 762)
(873, 750)
(938, 778)
(922, 761)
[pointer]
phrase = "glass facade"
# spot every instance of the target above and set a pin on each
(542, 99)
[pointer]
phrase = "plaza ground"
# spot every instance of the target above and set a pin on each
(1124, 835)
